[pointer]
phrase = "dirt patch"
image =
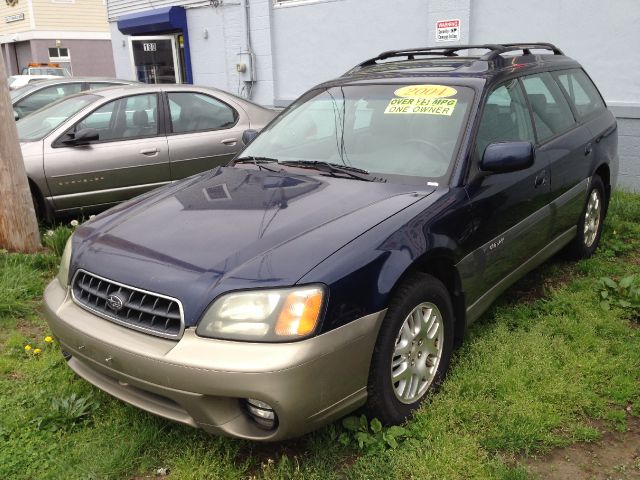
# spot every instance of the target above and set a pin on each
(616, 456)
(31, 330)
(539, 283)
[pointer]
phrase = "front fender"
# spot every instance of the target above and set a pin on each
(362, 274)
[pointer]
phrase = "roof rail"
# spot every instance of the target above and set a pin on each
(495, 50)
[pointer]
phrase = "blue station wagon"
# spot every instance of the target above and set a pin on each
(336, 262)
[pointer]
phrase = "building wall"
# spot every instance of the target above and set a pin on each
(92, 58)
(79, 15)
(214, 58)
(604, 39)
(18, 26)
(116, 8)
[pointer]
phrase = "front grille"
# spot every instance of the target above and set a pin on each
(128, 306)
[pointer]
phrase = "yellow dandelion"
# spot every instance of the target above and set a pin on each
(48, 339)
(27, 348)
(37, 351)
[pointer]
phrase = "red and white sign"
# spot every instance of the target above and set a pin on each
(448, 30)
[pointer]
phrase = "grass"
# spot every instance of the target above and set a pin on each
(532, 375)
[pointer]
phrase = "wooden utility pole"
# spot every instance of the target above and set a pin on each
(18, 223)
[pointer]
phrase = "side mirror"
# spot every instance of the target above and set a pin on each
(81, 137)
(507, 157)
(16, 115)
(248, 136)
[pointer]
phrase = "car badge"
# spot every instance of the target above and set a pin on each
(115, 303)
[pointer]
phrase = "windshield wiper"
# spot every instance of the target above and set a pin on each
(333, 168)
(258, 162)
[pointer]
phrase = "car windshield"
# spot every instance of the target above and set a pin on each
(58, 72)
(39, 124)
(389, 130)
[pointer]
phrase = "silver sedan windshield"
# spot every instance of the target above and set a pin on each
(39, 124)
(410, 130)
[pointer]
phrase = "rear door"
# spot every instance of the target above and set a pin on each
(590, 109)
(563, 144)
(510, 215)
(204, 132)
(130, 157)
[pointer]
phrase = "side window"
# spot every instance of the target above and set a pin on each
(129, 117)
(582, 92)
(195, 112)
(505, 118)
(45, 96)
(551, 112)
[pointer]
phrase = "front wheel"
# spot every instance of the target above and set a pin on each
(413, 349)
(591, 222)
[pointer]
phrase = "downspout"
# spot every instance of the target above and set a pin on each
(247, 50)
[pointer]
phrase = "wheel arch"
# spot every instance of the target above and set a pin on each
(440, 263)
(604, 172)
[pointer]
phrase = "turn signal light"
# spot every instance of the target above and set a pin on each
(300, 313)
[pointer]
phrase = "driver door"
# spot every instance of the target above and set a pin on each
(130, 157)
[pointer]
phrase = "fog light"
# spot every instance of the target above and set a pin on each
(261, 413)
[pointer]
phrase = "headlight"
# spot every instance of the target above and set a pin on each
(65, 262)
(264, 315)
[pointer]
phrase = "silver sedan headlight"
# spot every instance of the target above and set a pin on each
(277, 315)
(65, 263)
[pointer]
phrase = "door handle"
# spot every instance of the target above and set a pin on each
(229, 141)
(150, 152)
(588, 149)
(540, 180)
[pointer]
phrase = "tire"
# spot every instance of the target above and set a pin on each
(402, 346)
(590, 223)
(35, 198)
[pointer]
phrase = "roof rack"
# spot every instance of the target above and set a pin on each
(495, 50)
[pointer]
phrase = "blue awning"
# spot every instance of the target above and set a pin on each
(159, 20)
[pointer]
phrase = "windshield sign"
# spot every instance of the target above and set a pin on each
(389, 130)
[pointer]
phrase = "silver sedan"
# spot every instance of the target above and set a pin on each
(92, 150)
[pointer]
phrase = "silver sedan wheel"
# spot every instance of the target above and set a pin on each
(592, 218)
(417, 353)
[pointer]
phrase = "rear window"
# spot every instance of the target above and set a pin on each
(581, 91)
(551, 112)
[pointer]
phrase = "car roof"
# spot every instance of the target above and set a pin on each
(496, 60)
(51, 80)
(118, 91)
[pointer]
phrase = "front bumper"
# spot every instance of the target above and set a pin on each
(203, 382)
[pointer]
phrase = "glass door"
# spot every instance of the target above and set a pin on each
(156, 59)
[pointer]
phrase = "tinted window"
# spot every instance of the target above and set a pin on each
(505, 117)
(43, 97)
(551, 112)
(194, 112)
(129, 117)
(581, 91)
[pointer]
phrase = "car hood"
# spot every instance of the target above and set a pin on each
(233, 228)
